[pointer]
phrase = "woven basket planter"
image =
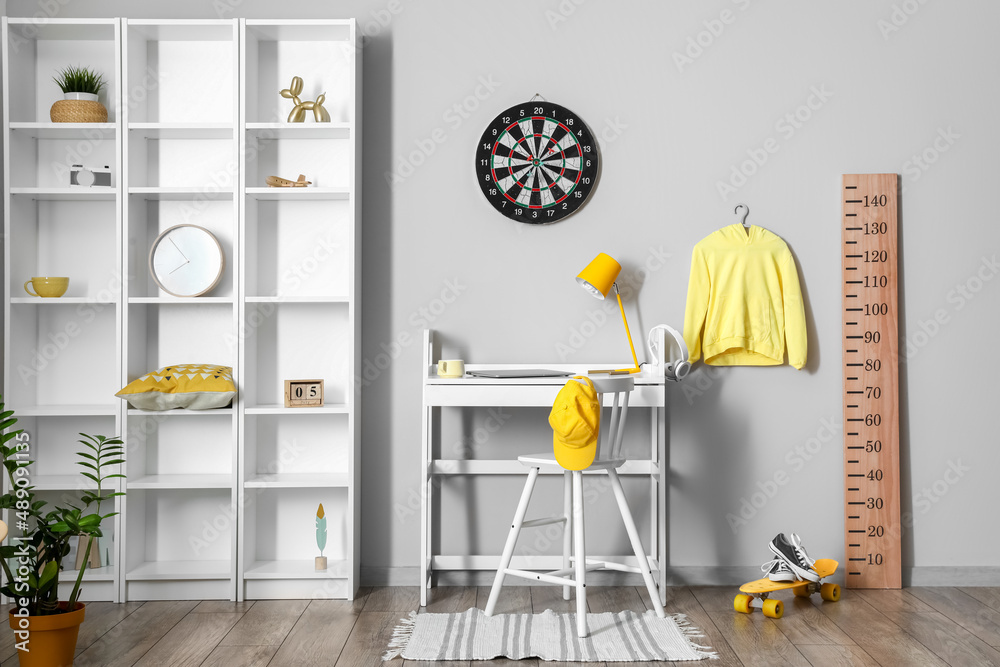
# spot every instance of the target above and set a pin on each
(78, 111)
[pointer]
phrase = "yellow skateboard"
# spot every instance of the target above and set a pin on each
(754, 593)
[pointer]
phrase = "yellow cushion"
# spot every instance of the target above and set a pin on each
(192, 386)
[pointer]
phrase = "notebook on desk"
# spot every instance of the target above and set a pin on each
(520, 373)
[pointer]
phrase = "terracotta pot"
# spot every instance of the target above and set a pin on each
(47, 641)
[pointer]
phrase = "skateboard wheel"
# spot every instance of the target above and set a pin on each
(801, 591)
(773, 608)
(830, 592)
(742, 604)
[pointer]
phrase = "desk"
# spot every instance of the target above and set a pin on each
(649, 392)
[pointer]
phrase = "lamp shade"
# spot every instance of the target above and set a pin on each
(600, 275)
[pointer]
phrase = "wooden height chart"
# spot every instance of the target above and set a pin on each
(871, 382)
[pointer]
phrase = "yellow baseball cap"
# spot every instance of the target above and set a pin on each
(575, 420)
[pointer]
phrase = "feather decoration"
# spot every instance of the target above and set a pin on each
(321, 529)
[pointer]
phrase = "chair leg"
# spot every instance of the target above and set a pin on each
(568, 525)
(580, 555)
(637, 548)
(508, 549)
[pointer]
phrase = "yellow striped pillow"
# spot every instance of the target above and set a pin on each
(192, 386)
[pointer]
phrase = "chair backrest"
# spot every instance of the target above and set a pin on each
(609, 444)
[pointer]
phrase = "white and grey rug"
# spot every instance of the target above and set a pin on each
(616, 637)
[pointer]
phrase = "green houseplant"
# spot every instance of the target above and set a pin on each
(81, 87)
(32, 564)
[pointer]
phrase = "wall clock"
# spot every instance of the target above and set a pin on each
(537, 162)
(186, 260)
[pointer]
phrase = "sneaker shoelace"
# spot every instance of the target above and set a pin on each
(800, 551)
(768, 566)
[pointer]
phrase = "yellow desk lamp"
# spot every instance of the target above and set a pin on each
(598, 279)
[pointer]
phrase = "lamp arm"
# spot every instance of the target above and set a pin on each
(628, 333)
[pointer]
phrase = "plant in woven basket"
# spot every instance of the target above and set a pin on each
(80, 87)
(79, 80)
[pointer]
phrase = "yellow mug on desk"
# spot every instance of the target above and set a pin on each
(451, 368)
(47, 286)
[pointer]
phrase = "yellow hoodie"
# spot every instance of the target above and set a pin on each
(744, 304)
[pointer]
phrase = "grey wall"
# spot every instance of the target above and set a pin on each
(902, 86)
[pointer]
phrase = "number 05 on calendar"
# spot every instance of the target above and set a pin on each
(303, 393)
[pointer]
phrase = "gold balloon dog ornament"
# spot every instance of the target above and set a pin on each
(298, 114)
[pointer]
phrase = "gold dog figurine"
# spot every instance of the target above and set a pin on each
(298, 114)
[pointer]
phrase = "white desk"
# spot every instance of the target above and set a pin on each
(649, 392)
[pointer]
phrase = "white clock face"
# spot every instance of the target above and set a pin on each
(186, 260)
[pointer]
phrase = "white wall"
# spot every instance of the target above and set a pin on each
(672, 134)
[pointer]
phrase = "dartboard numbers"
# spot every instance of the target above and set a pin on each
(537, 163)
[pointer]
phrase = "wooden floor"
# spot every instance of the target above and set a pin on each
(916, 626)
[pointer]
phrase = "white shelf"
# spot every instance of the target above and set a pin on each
(64, 29)
(105, 573)
(295, 569)
(290, 480)
(181, 482)
(298, 299)
(179, 412)
(180, 569)
(65, 410)
(157, 131)
(299, 194)
(181, 194)
(66, 194)
(65, 130)
(54, 301)
(182, 30)
(187, 300)
(307, 130)
(75, 482)
(278, 409)
(300, 30)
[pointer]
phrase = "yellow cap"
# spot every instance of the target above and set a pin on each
(575, 420)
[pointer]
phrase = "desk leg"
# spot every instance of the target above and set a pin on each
(662, 491)
(426, 503)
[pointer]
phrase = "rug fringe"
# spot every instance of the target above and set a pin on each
(689, 630)
(400, 636)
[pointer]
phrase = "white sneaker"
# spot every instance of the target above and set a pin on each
(776, 570)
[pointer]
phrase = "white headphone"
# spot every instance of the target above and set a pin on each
(677, 369)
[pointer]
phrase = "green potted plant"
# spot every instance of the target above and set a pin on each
(81, 87)
(46, 628)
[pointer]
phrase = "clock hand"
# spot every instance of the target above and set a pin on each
(178, 250)
(182, 265)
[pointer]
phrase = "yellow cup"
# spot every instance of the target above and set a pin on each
(451, 368)
(47, 286)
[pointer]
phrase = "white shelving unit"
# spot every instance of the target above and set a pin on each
(220, 503)
(62, 361)
(182, 151)
(300, 289)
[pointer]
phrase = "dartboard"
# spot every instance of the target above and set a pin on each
(537, 162)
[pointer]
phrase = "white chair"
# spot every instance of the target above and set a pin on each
(609, 460)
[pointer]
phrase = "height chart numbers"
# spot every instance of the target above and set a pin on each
(537, 163)
(871, 381)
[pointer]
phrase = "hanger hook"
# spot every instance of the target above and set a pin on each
(737, 210)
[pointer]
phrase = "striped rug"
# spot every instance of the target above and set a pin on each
(614, 637)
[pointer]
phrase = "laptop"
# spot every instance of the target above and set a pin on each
(520, 373)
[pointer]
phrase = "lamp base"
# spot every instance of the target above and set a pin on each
(617, 371)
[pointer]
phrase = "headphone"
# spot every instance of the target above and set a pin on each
(677, 369)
